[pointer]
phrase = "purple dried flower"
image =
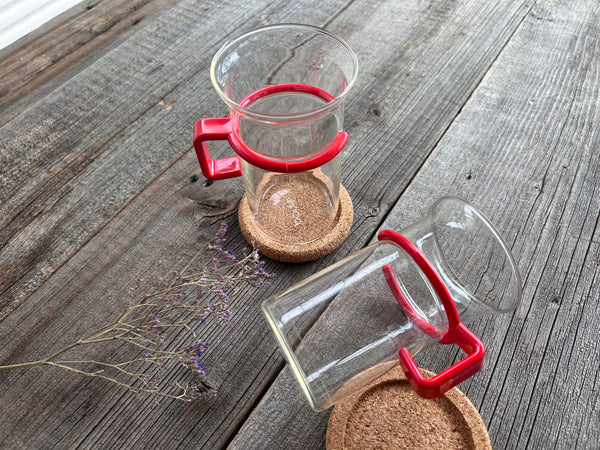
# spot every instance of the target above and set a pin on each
(224, 316)
(219, 239)
(151, 319)
(154, 382)
(192, 357)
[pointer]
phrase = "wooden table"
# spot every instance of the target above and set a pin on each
(496, 102)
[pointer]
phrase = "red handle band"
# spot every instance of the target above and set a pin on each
(215, 129)
(457, 333)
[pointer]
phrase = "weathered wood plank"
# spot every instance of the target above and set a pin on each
(153, 232)
(159, 227)
(46, 57)
(72, 162)
(250, 363)
(523, 151)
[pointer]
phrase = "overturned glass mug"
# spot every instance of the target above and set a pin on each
(385, 303)
(285, 86)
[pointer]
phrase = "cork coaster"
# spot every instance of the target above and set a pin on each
(388, 414)
(302, 252)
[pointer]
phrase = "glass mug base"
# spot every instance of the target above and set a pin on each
(296, 208)
(309, 251)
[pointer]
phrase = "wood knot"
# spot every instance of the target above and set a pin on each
(373, 212)
(165, 106)
(375, 110)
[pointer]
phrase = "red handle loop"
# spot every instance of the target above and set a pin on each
(457, 332)
(215, 130)
(455, 374)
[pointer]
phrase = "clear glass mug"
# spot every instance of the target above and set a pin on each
(350, 323)
(285, 87)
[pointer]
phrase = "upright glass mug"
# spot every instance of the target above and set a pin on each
(350, 323)
(285, 87)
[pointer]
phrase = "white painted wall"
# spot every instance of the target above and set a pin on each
(19, 17)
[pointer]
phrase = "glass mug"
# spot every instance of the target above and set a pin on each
(355, 320)
(285, 87)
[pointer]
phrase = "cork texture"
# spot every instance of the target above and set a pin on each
(303, 252)
(388, 414)
(295, 208)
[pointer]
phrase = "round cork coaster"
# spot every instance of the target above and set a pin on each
(388, 414)
(304, 252)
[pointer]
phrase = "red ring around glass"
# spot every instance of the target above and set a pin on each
(228, 128)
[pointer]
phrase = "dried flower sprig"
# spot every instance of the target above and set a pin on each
(152, 322)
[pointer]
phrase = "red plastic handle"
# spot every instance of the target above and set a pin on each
(457, 332)
(457, 373)
(215, 130)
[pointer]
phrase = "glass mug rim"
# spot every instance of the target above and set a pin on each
(282, 118)
(498, 240)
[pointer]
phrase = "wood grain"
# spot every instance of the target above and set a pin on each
(137, 240)
(79, 157)
(97, 158)
(99, 186)
(523, 151)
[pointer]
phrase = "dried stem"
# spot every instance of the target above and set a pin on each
(152, 320)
